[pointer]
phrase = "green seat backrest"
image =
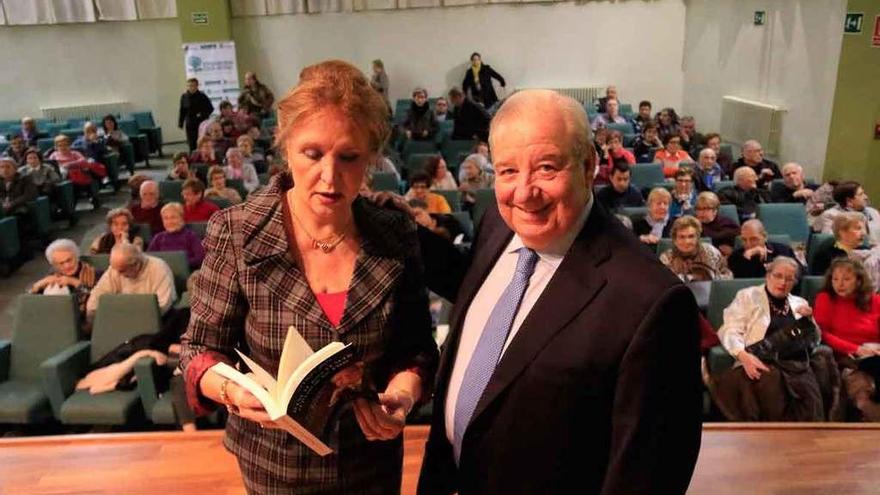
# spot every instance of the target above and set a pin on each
(100, 262)
(41, 215)
(129, 126)
(721, 184)
(169, 190)
(810, 287)
(200, 228)
(10, 244)
(729, 211)
(634, 212)
(623, 128)
(646, 174)
(43, 327)
(484, 199)
(45, 144)
(464, 218)
(416, 162)
(145, 232)
(121, 317)
(238, 185)
(419, 147)
(817, 244)
(722, 294)
(385, 181)
(785, 218)
(144, 120)
(264, 178)
(453, 197)
(452, 147)
(179, 265)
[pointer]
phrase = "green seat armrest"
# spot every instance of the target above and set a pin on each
(62, 371)
(145, 370)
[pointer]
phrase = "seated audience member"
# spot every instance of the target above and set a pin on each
(441, 110)
(78, 169)
(600, 144)
(29, 132)
(471, 120)
(643, 117)
(90, 144)
(43, 175)
(133, 272)
(236, 168)
(648, 143)
(713, 140)
(751, 260)
(245, 144)
(16, 190)
(219, 141)
(442, 224)
(147, 208)
(671, 155)
(204, 153)
(383, 164)
(134, 186)
(474, 178)
(744, 193)
(178, 237)
(656, 224)
(218, 189)
(195, 208)
(794, 188)
(419, 123)
(667, 123)
(69, 274)
(850, 196)
(708, 171)
(767, 386)
(849, 235)
(619, 193)
(848, 313)
(753, 157)
(180, 168)
(114, 138)
(419, 188)
(230, 133)
(16, 150)
(120, 229)
(690, 259)
(610, 116)
(610, 94)
(691, 140)
(615, 152)
(720, 229)
(441, 177)
(684, 195)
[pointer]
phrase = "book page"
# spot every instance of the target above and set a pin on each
(260, 375)
(295, 351)
(251, 386)
(310, 363)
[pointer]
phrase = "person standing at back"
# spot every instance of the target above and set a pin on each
(195, 107)
(478, 82)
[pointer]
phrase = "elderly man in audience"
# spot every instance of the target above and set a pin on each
(16, 149)
(708, 171)
(648, 143)
(120, 229)
(656, 224)
(195, 208)
(849, 236)
(29, 132)
(850, 196)
(420, 123)
(619, 192)
(133, 272)
(471, 120)
(69, 274)
(255, 96)
(178, 237)
(794, 188)
(751, 260)
(690, 259)
(147, 208)
(643, 117)
(16, 190)
(43, 175)
(691, 140)
(684, 195)
(719, 228)
(744, 193)
(777, 377)
(848, 312)
(610, 116)
(610, 94)
(753, 157)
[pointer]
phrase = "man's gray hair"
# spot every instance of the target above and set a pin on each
(148, 183)
(65, 245)
(751, 143)
(783, 260)
(687, 118)
(755, 224)
(792, 165)
(129, 252)
(740, 173)
(706, 151)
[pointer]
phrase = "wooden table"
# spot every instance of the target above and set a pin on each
(767, 459)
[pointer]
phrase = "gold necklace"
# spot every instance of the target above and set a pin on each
(326, 244)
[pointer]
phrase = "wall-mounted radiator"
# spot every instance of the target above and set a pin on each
(743, 119)
(93, 111)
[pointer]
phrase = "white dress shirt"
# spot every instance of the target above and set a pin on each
(489, 293)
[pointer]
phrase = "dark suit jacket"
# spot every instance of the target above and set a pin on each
(470, 119)
(755, 268)
(194, 108)
(581, 401)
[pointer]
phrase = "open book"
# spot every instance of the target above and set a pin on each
(304, 398)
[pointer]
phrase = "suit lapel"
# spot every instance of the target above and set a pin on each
(373, 278)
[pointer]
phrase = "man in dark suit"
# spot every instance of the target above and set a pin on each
(195, 107)
(751, 260)
(572, 364)
(471, 120)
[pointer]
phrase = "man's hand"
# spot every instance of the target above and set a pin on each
(759, 251)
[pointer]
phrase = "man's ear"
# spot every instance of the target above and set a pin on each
(590, 168)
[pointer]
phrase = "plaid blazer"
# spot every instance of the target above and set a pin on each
(250, 290)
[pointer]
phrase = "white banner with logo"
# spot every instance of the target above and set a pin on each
(213, 64)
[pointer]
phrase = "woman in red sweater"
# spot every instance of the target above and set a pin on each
(848, 312)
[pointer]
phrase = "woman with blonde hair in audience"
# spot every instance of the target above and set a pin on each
(691, 259)
(848, 312)
(69, 275)
(178, 237)
(781, 374)
(236, 168)
(76, 167)
(441, 177)
(219, 189)
(120, 228)
(655, 224)
(419, 124)
(314, 253)
(719, 228)
(204, 152)
(849, 231)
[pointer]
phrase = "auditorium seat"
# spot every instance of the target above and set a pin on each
(100, 262)
(137, 139)
(785, 218)
(179, 265)
(158, 407)
(43, 326)
(646, 175)
(453, 197)
(220, 202)
(10, 244)
(119, 318)
(169, 190)
(623, 128)
(200, 228)
(451, 148)
(818, 242)
(729, 211)
(40, 215)
(721, 184)
(484, 199)
(148, 127)
(464, 218)
(386, 181)
(67, 201)
(238, 185)
(416, 163)
(721, 294)
(810, 287)
(419, 147)
(145, 232)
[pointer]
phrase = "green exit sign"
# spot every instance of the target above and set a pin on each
(199, 18)
(852, 23)
(760, 17)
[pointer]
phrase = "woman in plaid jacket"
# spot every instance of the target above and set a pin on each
(337, 268)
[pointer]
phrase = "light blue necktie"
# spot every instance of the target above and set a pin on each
(489, 347)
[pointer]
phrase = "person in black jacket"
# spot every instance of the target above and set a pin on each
(745, 193)
(195, 107)
(478, 81)
(470, 119)
(16, 191)
(753, 157)
(619, 193)
(793, 188)
(751, 260)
